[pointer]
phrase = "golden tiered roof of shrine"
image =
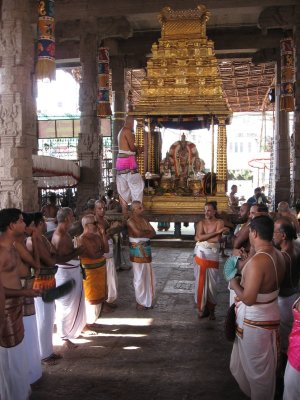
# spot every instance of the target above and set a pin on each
(182, 73)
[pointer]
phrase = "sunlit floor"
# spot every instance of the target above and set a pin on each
(163, 353)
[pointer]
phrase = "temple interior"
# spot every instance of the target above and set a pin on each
(184, 70)
(214, 91)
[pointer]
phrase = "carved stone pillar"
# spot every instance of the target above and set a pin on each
(89, 145)
(295, 140)
(117, 67)
(17, 107)
(281, 148)
(221, 157)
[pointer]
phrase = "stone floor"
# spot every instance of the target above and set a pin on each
(160, 354)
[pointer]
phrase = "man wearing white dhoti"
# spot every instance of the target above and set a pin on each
(255, 350)
(110, 228)
(94, 264)
(140, 231)
(46, 280)
(14, 376)
(112, 279)
(130, 184)
(206, 257)
(70, 309)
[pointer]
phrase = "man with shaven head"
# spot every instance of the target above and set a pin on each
(70, 309)
(14, 374)
(140, 231)
(206, 257)
(283, 210)
(93, 262)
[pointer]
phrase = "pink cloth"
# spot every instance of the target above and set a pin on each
(294, 341)
(124, 163)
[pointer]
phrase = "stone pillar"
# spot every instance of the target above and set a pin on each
(89, 145)
(295, 140)
(221, 157)
(118, 87)
(281, 148)
(17, 107)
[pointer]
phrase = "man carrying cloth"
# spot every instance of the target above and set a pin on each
(70, 309)
(130, 184)
(139, 232)
(255, 350)
(14, 377)
(93, 262)
(208, 234)
(45, 312)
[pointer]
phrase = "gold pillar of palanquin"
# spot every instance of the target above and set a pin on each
(221, 157)
(182, 84)
(151, 159)
(139, 139)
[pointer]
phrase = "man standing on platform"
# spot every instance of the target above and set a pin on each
(130, 184)
(254, 355)
(206, 268)
(140, 231)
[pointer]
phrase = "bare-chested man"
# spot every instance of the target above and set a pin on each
(106, 230)
(254, 355)
(45, 312)
(283, 210)
(29, 261)
(208, 234)
(14, 374)
(50, 211)
(2, 307)
(140, 231)
(130, 184)
(70, 309)
(284, 239)
(94, 264)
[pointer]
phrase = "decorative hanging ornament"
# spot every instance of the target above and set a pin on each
(287, 102)
(103, 101)
(45, 67)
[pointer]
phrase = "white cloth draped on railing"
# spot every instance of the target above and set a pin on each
(51, 172)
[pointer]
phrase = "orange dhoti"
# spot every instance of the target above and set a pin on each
(206, 271)
(95, 287)
(95, 282)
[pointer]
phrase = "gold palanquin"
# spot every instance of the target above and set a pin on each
(182, 83)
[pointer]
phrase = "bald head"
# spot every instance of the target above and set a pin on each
(136, 206)
(283, 206)
(129, 122)
(88, 219)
